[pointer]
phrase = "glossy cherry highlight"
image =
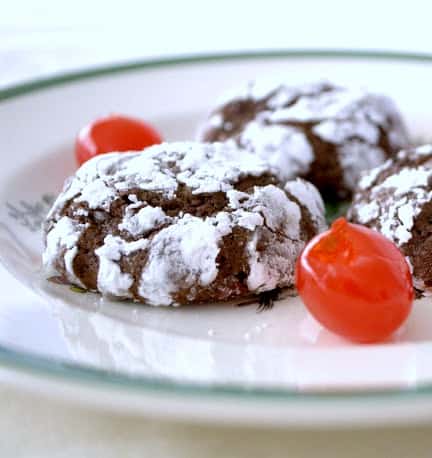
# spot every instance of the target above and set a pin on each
(355, 282)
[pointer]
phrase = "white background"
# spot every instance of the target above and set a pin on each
(43, 37)
(40, 37)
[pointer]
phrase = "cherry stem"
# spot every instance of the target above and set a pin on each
(339, 224)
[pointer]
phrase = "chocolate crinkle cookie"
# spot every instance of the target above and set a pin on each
(323, 133)
(180, 223)
(396, 200)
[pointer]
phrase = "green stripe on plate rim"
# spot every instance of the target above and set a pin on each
(68, 77)
(58, 370)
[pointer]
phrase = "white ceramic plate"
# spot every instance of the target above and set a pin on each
(217, 362)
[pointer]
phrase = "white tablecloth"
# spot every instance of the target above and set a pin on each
(44, 37)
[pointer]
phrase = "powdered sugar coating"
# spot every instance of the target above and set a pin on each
(62, 238)
(278, 261)
(369, 177)
(392, 197)
(291, 126)
(111, 280)
(308, 195)
(284, 147)
(355, 156)
(178, 250)
(394, 203)
(143, 221)
(201, 167)
(181, 255)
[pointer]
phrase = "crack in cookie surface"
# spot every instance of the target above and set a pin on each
(164, 228)
(396, 200)
(323, 133)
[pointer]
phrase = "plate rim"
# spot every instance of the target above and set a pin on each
(57, 369)
(87, 72)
